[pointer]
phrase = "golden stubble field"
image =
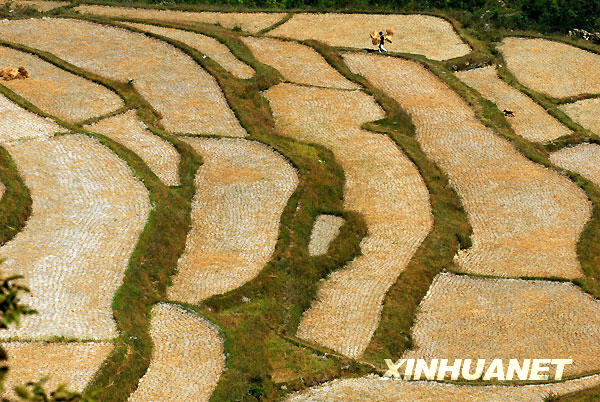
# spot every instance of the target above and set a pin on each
(89, 207)
(382, 184)
(526, 219)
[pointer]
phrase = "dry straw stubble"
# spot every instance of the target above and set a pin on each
(205, 44)
(39, 5)
(72, 364)
(56, 91)
(585, 112)
(241, 191)
(187, 358)
(250, 22)
(88, 211)
(18, 124)
(297, 63)
(530, 121)
(509, 319)
(160, 156)
(382, 184)
(433, 37)
(325, 230)
(188, 98)
(526, 219)
(374, 388)
(555, 68)
(583, 159)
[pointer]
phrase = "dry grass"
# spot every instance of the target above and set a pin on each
(583, 159)
(297, 63)
(39, 5)
(430, 36)
(250, 22)
(88, 211)
(241, 191)
(510, 319)
(382, 184)
(17, 123)
(187, 359)
(205, 44)
(585, 112)
(526, 219)
(160, 156)
(188, 98)
(72, 364)
(373, 388)
(531, 121)
(555, 68)
(56, 91)
(325, 230)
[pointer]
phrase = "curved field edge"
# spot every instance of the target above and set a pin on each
(258, 319)
(451, 229)
(488, 113)
(15, 204)
(157, 249)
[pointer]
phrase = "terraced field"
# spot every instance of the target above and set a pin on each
(205, 44)
(187, 359)
(251, 22)
(56, 91)
(585, 112)
(188, 98)
(530, 121)
(298, 64)
(554, 68)
(160, 156)
(170, 259)
(429, 36)
(241, 191)
(526, 219)
(382, 184)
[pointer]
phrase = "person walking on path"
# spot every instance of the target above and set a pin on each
(382, 40)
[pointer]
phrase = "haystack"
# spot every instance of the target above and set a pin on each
(11, 73)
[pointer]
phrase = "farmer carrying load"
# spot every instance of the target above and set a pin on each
(379, 39)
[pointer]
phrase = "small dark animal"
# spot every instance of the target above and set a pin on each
(508, 113)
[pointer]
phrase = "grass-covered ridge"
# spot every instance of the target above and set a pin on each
(263, 354)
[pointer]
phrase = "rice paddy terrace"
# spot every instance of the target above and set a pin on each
(240, 206)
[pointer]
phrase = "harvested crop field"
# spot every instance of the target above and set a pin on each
(531, 121)
(526, 219)
(432, 37)
(554, 68)
(297, 63)
(325, 230)
(382, 184)
(585, 112)
(56, 91)
(508, 318)
(39, 5)
(583, 159)
(18, 124)
(88, 211)
(187, 359)
(188, 98)
(374, 388)
(72, 364)
(205, 44)
(241, 191)
(249, 22)
(160, 156)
